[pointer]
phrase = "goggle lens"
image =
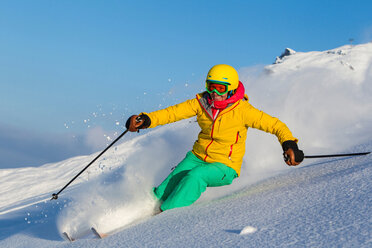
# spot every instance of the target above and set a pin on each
(220, 89)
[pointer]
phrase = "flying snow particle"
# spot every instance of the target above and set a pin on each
(248, 230)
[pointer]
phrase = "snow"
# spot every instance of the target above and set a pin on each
(248, 230)
(322, 203)
(287, 52)
(344, 60)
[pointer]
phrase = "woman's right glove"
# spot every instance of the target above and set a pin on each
(136, 122)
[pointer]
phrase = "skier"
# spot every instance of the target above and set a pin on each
(224, 116)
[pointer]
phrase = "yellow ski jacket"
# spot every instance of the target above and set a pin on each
(222, 139)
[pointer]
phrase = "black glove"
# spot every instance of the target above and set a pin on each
(290, 144)
(136, 122)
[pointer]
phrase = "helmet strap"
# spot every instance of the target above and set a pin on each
(230, 93)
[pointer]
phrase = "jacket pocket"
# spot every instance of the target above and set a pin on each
(232, 146)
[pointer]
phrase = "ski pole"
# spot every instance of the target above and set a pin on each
(55, 195)
(338, 155)
(286, 156)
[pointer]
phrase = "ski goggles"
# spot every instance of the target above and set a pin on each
(218, 87)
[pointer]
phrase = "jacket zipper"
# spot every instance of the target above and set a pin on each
(210, 143)
(231, 147)
(212, 129)
(214, 121)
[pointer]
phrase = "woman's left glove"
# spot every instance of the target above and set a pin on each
(292, 155)
(136, 122)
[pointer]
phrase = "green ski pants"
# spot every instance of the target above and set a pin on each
(189, 180)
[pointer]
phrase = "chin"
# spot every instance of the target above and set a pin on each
(217, 98)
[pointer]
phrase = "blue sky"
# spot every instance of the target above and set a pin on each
(70, 66)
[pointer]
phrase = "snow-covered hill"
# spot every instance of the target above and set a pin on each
(326, 100)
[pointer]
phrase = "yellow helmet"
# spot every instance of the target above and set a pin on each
(224, 74)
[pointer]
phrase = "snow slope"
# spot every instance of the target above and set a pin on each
(322, 203)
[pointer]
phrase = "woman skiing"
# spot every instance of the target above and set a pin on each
(224, 116)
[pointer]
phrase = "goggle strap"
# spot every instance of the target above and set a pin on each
(216, 91)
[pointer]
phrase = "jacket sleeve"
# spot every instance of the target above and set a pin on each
(174, 113)
(258, 119)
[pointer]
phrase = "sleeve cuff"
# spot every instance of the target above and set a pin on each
(289, 144)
